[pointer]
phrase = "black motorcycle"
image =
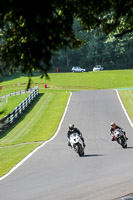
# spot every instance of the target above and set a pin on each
(120, 137)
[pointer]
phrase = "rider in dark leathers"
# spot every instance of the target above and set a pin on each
(71, 130)
(113, 128)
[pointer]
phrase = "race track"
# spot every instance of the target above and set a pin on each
(55, 172)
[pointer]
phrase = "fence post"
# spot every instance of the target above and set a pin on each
(19, 109)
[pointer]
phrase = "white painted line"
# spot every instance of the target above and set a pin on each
(35, 150)
(124, 109)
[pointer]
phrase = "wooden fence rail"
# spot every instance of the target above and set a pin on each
(11, 117)
(17, 93)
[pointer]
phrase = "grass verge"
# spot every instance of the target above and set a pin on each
(8, 104)
(127, 99)
(39, 123)
(12, 155)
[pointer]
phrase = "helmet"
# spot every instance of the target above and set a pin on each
(113, 124)
(71, 127)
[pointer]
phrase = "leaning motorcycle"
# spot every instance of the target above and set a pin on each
(77, 144)
(120, 137)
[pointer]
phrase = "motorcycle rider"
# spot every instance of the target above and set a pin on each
(71, 130)
(113, 128)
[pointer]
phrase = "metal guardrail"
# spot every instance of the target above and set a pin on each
(11, 117)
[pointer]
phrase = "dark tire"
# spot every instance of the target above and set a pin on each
(123, 142)
(76, 148)
(119, 141)
(125, 146)
(80, 150)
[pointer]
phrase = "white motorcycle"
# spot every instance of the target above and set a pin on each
(120, 137)
(77, 144)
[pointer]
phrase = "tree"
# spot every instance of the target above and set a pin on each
(31, 31)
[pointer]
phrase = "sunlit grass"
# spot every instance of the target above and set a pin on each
(127, 98)
(39, 123)
(11, 155)
(81, 81)
(9, 103)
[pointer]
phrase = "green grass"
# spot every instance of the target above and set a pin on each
(38, 124)
(8, 104)
(11, 155)
(40, 121)
(78, 81)
(88, 80)
(127, 99)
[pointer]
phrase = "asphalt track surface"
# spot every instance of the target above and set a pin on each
(55, 172)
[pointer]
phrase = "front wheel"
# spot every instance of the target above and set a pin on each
(122, 142)
(124, 146)
(80, 150)
(76, 148)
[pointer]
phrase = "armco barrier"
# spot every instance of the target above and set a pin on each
(11, 117)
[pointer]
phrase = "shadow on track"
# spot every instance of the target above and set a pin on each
(129, 148)
(92, 155)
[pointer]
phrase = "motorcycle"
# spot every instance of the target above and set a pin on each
(120, 137)
(77, 144)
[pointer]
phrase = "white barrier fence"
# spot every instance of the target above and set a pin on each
(17, 93)
(11, 117)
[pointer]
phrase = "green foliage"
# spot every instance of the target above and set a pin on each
(98, 49)
(31, 32)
